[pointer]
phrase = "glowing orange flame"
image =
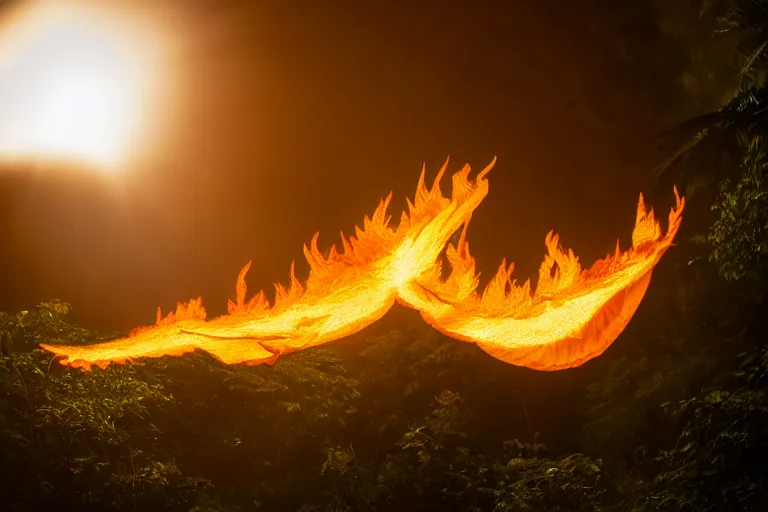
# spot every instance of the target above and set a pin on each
(573, 315)
(346, 291)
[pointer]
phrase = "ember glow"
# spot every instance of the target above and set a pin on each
(573, 315)
(74, 78)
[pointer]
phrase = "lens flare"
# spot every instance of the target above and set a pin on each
(74, 82)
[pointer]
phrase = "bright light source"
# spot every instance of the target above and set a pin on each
(73, 83)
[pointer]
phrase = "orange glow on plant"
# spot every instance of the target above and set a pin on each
(573, 315)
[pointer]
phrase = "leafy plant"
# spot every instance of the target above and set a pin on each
(739, 236)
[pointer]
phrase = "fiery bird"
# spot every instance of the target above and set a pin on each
(573, 315)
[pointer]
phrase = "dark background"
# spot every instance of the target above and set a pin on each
(293, 117)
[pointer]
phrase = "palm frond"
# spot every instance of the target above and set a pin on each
(712, 145)
(749, 20)
(745, 15)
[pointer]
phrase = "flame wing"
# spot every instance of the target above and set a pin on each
(346, 291)
(573, 316)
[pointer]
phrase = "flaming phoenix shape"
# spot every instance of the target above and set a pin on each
(572, 316)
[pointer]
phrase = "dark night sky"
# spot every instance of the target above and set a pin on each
(294, 117)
